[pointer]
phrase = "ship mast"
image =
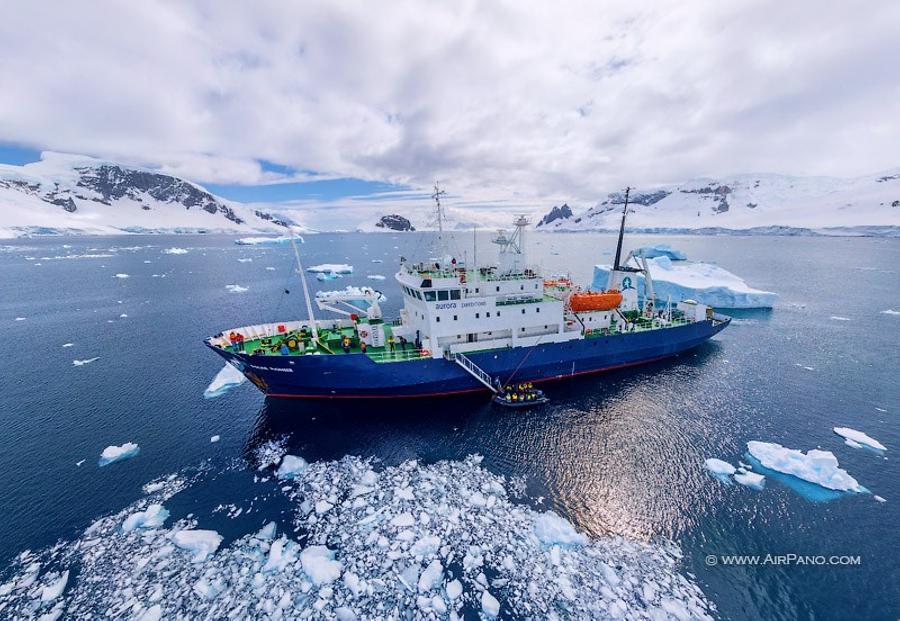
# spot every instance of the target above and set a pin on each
(621, 231)
(439, 214)
(309, 310)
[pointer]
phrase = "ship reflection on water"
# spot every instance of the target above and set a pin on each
(603, 449)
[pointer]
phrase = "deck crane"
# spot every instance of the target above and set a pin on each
(342, 302)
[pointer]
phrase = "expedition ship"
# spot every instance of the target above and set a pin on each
(467, 329)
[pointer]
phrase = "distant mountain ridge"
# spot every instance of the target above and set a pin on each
(749, 204)
(74, 194)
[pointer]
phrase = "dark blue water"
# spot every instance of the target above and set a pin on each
(619, 453)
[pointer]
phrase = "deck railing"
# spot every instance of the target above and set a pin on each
(399, 355)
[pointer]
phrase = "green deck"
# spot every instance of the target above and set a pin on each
(331, 342)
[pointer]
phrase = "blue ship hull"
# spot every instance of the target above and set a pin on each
(358, 376)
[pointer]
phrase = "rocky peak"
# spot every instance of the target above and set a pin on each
(395, 222)
(563, 212)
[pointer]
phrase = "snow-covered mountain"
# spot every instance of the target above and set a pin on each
(76, 194)
(763, 203)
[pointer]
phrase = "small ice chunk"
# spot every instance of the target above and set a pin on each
(53, 590)
(890, 311)
(375, 277)
(860, 438)
(719, 467)
(454, 589)
(839, 318)
(20, 318)
(431, 577)
(551, 529)
(319, 564)
(814, 466)
(750, 479)
(236, 288)
(78, 463)
(81, 363)
(245, 260)
(403, 520)
(489, 604)
(175, 251)
(122, 276)
(68, 344)
(227, 378)
(154, 613)
(214, 439)
(113, 453)
(291, 466)
(879, 498)
(152, 517)
(201, 543)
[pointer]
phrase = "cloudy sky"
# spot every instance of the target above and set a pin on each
(507, 103)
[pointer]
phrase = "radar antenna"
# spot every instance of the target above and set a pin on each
(439, 215)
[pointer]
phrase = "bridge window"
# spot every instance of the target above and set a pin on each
(419, 295)
(523, 311)
(498, 288)
(488, 314)
(454, 294)
(454, 317)
(538, 309)
(437, 319)
(430, 296)
(477, 316)
(443, 295)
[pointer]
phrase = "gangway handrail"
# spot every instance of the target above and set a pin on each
(474, 370)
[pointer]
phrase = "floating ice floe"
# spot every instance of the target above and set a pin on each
(814, 466)
(256, 241)
(375, 277)
(200, 543)
(290, 467)
(270, 268)
(330, 271)
(151, 517)
(54, 589)
(175, 251)
(245, 260)
(859, 438)
(227, 378)
(377, 260)
(113, 453)
(81, 363)
(122, 276)
(704, 282)
(462, 561)
(839, 318)
(20, 318)
(719, 467)
(214, 439)
(890, 311)
(750, 479)
(236, 288)
(661, 250)
(879, 498)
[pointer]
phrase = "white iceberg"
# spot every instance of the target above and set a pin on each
(661, 250)
(200, 543)
(236, 288)
(814, 466)
(81, 363)
(708, 284)
(375, 277)
(122, 276)
(890, 311)
(175, 251)
(227, 378)
(113, 453)
(489, 605)
(151, 517)
(859, 438)
(719, 467)
(214, 439)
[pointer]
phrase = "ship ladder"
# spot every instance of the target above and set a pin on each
(474, 370)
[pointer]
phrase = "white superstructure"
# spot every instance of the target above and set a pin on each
(451, 308)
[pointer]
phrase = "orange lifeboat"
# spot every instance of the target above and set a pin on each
(585, 302)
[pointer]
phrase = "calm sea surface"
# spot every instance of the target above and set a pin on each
(617, 453)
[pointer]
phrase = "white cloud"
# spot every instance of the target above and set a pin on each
(532, 101)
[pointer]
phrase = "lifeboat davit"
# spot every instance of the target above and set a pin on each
(604, 301)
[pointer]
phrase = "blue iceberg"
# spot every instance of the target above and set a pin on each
(661, 250)
(706, 283)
